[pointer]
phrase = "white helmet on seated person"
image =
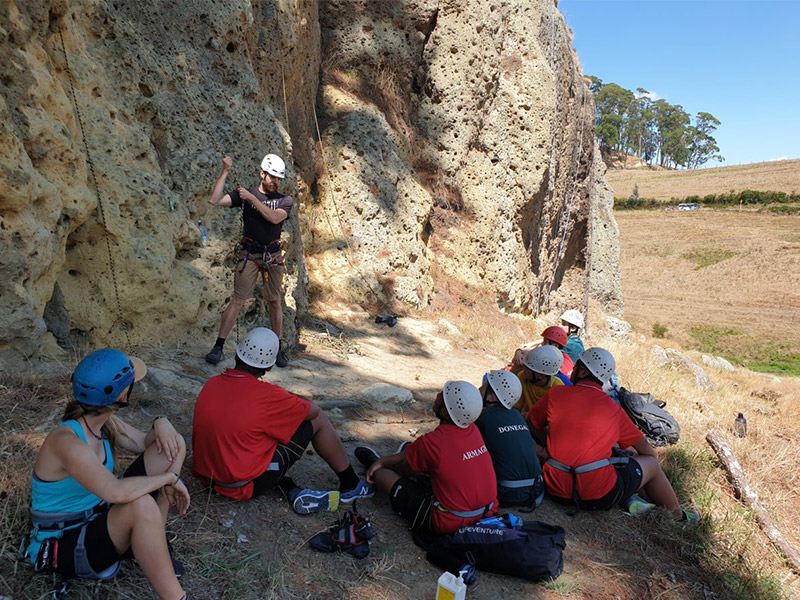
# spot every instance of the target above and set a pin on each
(259, 348)
(506, 386)
(274, 165)
(573, 317)
(546, 360)
(463, 402)
(600, 363)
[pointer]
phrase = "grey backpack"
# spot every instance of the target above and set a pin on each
(648, 414)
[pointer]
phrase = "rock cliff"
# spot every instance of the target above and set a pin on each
(115, 117)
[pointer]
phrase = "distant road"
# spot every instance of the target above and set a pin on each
(776, 176)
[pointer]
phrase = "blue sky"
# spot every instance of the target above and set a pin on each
(736, 59)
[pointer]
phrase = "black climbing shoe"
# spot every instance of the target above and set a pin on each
(215, 355)
(280, 360)
(350, 534)
(366, 455)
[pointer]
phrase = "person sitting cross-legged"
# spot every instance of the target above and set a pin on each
(247, 433)
(461, 488)
(580, 427)
(513, 451)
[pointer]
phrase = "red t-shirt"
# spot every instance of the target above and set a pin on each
(238, 422)
(584, 425)
(462, 475)
(568, 365)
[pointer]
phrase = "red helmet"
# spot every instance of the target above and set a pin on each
(555, 334)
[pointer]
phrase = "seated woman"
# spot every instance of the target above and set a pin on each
(84, 518)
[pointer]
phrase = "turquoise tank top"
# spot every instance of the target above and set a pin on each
(67, 495)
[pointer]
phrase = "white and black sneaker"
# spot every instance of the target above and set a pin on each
(366, 456)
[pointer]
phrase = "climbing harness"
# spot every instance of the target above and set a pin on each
(615, 461)
(465, 514)
(249, 250)
(40, 546)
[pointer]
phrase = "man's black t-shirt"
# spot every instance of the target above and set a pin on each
(257, 227)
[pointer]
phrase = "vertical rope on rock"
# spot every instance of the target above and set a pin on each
(100, 211)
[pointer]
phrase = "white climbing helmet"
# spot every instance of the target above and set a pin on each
(463, 402)
(573, 317)
(274, 165)
(599, 362)
(546, 360)
(506, 386)
(259, 348)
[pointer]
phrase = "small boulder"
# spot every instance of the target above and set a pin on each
(383, 393)
(619, 329)
(659, 356)
(681, 362)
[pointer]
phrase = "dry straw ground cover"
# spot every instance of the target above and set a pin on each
(777, 176)
(721, 281)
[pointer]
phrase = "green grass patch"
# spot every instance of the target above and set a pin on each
(711, 339)
(787, 364)
(659, 330)
(705, 257)
(563, 586)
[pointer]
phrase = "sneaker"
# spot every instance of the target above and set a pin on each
(637, 506)
(366, 455)
(362, 490)
(281, 360)
(402, 447)
(690, 516)
(215, 355)
(306, 502)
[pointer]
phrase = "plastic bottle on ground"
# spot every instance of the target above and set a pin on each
(203, 233)
(451, 587)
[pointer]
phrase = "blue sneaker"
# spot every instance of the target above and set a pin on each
(306, 502)
(362, 490)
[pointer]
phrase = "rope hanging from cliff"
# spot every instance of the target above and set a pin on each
(339, 217)
(100, 210)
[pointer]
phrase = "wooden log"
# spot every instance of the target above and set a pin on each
(747, 495)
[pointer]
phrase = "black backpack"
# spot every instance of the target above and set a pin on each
(648, 414)
(533, 552)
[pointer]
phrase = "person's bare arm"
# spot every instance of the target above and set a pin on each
(396, 462)
(80, 462)
(274, 216)
(644, 447)
(217, 197)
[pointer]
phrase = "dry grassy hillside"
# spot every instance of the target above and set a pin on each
(722, 281)
(778, 176)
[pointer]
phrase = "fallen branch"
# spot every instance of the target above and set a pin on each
(747, 495)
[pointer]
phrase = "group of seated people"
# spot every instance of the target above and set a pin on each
(525, 432)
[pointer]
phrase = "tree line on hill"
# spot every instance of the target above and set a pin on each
(660, 133)
(779, 202)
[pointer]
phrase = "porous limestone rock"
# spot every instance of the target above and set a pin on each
(659, 356)
(617, 328)
(681, 362)
(474, 109)
(717, 362)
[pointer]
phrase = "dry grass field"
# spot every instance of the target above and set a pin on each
(777, 176)
(721, 281)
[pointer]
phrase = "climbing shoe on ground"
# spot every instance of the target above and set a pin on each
(281, 360)
(690, 516)
(402, 447)
(350, 534)
(635, 505)
(306, 502)
(362, 490)
(365, 455)
(215, 355)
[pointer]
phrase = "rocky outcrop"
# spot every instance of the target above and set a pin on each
(422, 108)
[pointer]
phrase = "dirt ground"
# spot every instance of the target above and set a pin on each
(259, 549)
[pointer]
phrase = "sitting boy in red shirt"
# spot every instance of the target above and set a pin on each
(462, 487)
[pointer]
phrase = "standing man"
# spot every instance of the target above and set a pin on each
(259, 252)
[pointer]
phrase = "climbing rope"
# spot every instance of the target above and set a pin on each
(339, 217)
(89, 162)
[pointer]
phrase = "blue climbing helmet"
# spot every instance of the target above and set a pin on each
(103, 375)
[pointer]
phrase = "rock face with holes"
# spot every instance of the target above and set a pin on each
(496, 123)
(115, 117)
